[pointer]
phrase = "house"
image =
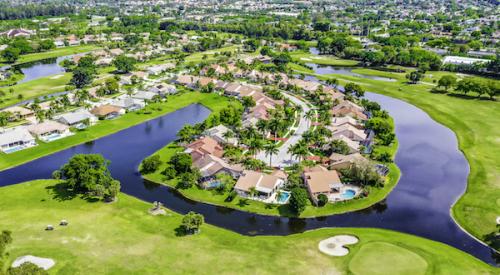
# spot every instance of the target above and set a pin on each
(129, 103)
(264, 185)
(322, 182)
(18, 113)
(339, 161)
(351, 144)
(204, 146)
(210, 165)
(347, 108)
(187, 80)
(116, 52)
(12, 33)
(350, 132)
(79, 119)
(107, 111)
(158, 69)
(219, 134)
(49, 130)
(104, 61)
(15, 139)
(127, 78)
(163, 89)
(346, 120)
(145, 96)
(204, 81)
(459, 60)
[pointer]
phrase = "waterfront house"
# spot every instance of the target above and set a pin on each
(187, 80)
(351, 144)
(339, 161)
(15, 139)
(49, 130)
(79, 119)
(163, 89)
(322, 182)
(129, 103)
(347, 108)
(18, 113)
(210, 166)
(350, 132)
(107, 111)
(263, 186)
(339, 121)
(145, 96)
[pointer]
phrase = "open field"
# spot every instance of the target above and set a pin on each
(306, 57)
(475, 122)
(54, 53)
(121, 238)
(199, 56)
(107, 127)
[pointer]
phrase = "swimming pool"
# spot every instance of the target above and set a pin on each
(13, 149)
(348, 194)
(283, 197)
(213, 184)
(52, 137)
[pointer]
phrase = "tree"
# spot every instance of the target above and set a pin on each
(352, 88)
(181, 162)
(362, 173)
(248, 101)
(414, 77)
(82, 77)
(466, 85)
(124, 64)
(150, 164)
(4, 118)
(89, 173)
(447, 81)
(5, 239)
(299, 149)
(26, 268)
(298, 200)
(11, 54)
(271, 149)
(188, 179)
(186, 133)
(191, 222)
(340, 147)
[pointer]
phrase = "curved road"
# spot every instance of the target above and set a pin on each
(283, 158)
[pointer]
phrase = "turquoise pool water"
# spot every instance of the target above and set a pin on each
(52, 137)
(13, 149)
(283, 197)
(348, 194)
(214, 184)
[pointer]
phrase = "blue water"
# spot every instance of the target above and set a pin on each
(348, 194)
(283, 197)
(214, 184)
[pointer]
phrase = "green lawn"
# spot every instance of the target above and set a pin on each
(35, 88)
(55, 53)
(199, 56)
(121, 238)
(107, 127)
(13, 79)
(216, 198)
(475, 122)
(307, 57)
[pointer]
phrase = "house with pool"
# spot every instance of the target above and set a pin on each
(79, 119)
(15, 139)
(49, 130)
(323, 181)
(262, 187)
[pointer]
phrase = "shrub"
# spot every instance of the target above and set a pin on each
(322, 200)
(150, 164)
(169, 172)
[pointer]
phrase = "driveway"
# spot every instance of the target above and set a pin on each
(283, 158)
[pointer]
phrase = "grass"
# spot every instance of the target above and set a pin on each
(121, 238)
(35, 88)
(199, 56)
(306, 57)
(243, 204)
(475, 122)
(107, 127)
(12, 80)
(54, 53)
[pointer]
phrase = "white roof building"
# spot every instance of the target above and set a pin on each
(460, 60)
(18, 137)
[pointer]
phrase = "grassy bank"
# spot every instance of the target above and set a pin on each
(107, 127)
(475, 122)
(121, 238)
(54, 53)
(217, 198)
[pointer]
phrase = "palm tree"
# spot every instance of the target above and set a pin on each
(227, 135)
(332, 82)
(262, 125)
(271, 149)
(252, 192)
(255, 145)
(310, 114)
(299, 150)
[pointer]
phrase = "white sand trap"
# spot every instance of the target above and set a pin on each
(498, 220)
(334, 246)
(57, 76)
(305, 59)
(44, 263)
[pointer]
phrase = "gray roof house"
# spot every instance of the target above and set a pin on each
(129, 103)
(218, 132)
(144, 95)
(76, 118)
(15, 139)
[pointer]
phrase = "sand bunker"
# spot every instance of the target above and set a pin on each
(306, 59)
(334, 246)
(44, 263)
(57, 76)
